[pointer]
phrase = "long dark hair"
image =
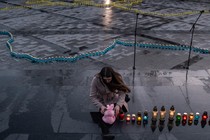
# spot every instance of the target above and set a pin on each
(117, 81)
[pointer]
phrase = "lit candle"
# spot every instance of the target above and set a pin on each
(133, 117)
(162, 113)
(145, 118)
(128, 118)
(172, 113)
(154, 113)
(191, 116)
(139, 118)
(178, 117)
(204, 116)
(197, 116)
(184, 117)
(121, 116)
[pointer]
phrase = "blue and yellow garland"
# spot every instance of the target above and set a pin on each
(96, 53)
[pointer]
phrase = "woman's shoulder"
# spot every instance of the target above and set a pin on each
(96, 77)
(96, 80)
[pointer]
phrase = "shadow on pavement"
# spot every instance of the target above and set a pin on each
(28, 122)
(97, 118)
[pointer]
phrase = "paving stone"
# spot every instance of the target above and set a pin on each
(51, 101)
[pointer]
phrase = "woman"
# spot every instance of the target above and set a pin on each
(107, 87)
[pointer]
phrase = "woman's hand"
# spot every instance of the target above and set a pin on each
(103, 108)
(117, 110)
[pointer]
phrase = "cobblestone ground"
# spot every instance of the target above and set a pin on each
(51, 101)
(62, 31)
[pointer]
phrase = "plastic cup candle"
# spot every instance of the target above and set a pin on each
(145, 115)
(121, 116)
(128, 118)
(184, 117)
(197, 116)
(162, 113)
(204, 116)
(178, 117)
(172, 113)
(154, 114)
(145, 118)
(191, 116)
(138, 120)
(133, 118)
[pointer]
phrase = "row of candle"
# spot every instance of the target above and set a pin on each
(96, 53)
(172, 111)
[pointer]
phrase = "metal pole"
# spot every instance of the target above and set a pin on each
(134, 59)
(192, 29)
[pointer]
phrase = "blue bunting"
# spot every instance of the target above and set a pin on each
(97, 53)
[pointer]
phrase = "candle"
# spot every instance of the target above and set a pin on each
(191, 116)
(184, 117)
(128, 118)
(154, 113)
(162, 113)
(172, 113)
(138, 121)
(133, 117)
(121, 116)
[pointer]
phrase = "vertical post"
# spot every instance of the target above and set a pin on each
(188, 62)
(133, 99)
(134, 59)
(192, 29)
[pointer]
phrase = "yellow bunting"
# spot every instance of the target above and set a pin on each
(120, 4)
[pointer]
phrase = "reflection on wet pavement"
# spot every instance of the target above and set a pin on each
(47, 103)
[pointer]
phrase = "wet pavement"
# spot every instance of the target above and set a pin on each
(51, 101)
(54, 104)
